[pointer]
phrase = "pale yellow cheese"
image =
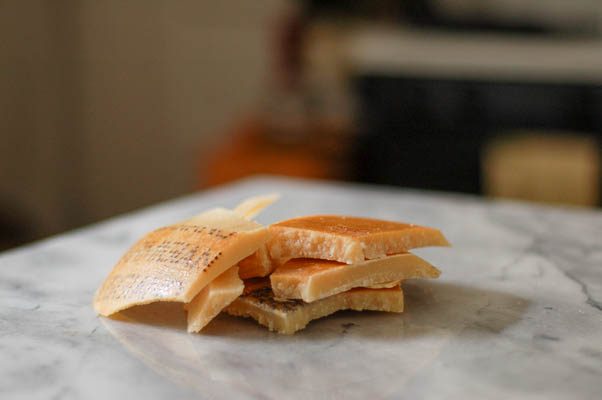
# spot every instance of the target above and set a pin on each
(217, 295)
(347, 239)
(311, 279)
(256, 265)
(252, 206)
(384, 285)
(290, 316)
(174, 263)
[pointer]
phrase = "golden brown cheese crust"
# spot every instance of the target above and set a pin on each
(355, 227)
(347, 239)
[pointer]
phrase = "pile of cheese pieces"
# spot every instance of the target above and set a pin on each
(283, 276)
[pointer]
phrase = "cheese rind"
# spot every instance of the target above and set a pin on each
(347, 239)
(311, 279)
(216, 296)
(256, 265)
(290, 316)
(176, 262)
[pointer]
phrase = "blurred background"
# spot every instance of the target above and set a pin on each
(108, 106)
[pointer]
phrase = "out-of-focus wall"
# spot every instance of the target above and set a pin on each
(31, 116)
(107, 106)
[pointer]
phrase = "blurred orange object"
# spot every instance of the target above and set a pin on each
(248, 150)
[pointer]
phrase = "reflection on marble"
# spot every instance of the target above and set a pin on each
(516, 314)
(223, 353)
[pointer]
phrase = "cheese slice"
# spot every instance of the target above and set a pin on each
(214, 298)
(287, 317)
(256, 265)
(252, 206)
(259, 263)
(176, 262)
(347, 239)
(311, 279)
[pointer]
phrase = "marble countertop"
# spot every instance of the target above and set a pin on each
(517, 312)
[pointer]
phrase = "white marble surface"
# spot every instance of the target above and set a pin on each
(517, 312)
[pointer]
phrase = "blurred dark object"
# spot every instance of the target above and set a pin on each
(438, 80)
(428, 133)
(532, 17)
(13, 230)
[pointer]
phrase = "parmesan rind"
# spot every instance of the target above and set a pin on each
(290, 316)
(213, 299)
(176, 262)
(311, 279)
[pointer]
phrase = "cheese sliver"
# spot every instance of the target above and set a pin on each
(347, 239)
(385, 285)
(311, 279)
(256, 265)
(213, 298)
(174, 263)
(291, 316)
(254, 205)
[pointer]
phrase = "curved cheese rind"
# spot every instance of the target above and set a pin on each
(216, 296)
(289, 317)
(311, 279)
(174, 263)
(347, 239)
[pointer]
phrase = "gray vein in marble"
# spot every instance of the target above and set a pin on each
(590, 300)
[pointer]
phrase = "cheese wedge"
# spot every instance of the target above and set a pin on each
(290, 316)
(256, 265)
(176, 262)
(311, 279)
(214, 298)
(347, 239)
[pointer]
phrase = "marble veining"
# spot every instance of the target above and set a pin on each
(517, 312)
